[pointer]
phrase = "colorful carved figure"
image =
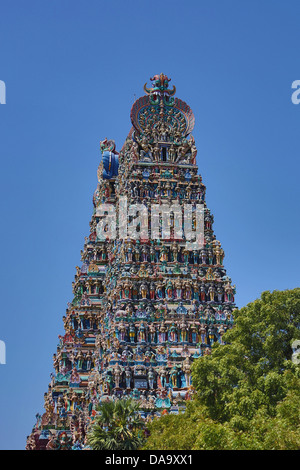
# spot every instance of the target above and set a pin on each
(110, 159)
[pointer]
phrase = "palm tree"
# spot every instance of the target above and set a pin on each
(118, 426)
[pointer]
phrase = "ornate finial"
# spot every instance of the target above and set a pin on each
(160, 89)
(159, 109)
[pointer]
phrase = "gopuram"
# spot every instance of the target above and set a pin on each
(148, 298)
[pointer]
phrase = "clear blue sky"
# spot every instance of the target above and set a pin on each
(71, 70)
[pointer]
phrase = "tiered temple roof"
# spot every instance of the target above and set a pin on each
(149, 298)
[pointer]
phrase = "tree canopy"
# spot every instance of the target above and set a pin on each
(247, 392)
(118, 426)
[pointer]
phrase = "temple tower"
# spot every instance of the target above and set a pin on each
(152, 293)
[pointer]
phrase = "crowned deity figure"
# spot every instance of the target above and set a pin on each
(162, 335)
(173, 333)
(128, 376)
(169, 290)
(159, 290)
(178, 288)
(162, 377)
(202, 331)
(143, 290)
(132, 333)
(151, 377)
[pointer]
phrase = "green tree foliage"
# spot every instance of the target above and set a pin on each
(117, 427)
(248, 390)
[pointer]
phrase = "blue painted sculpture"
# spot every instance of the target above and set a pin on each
(110, 159)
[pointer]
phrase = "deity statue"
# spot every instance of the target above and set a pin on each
(132, 334)
(203, 256)
(128, 252)
(228, 293)
(173, 333)
(143, 291)
(163, 253)
(128, 376)
(188, 291)
(156, 153)
(186, 367)
(172, 153)
(127, 290)
(202, 293)
(152, 290)
(152, 333)
(162, 380)
(169, 290)
(173, 377)
(142, 333)
(220, 293)
(220, 333)
(211, 291)
(159, 290)
(211, 335)
(151, 378)
(196, 290)
(178, 287)
(183, 332)
(117, 371)
(193, 333)
(162, 333)
(152, 254)
(202, 331)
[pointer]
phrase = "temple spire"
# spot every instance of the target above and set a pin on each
(148, 303)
